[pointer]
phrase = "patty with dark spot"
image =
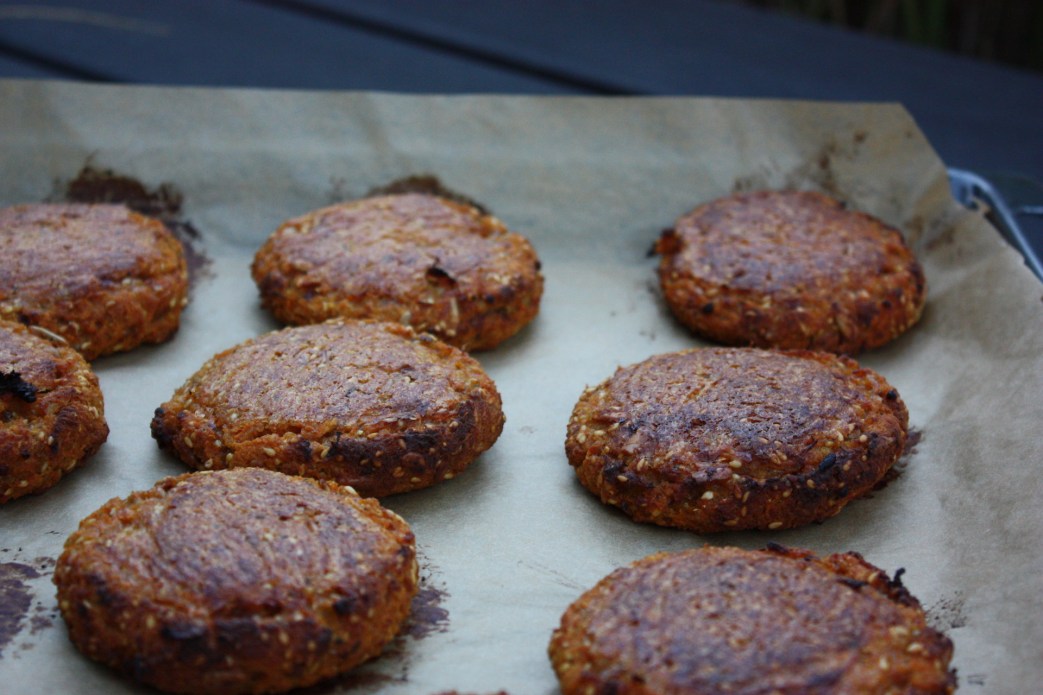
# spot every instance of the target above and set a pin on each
(717, 439)
(711, 621)
(368, 404)
(425, 261)
(102, 277)
(52, 413)
(790, 269)
(244, 581)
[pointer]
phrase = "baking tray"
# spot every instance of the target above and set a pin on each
(508, 544)
(978, 193)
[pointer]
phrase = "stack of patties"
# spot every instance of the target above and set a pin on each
(267, 569)
(767, 437)
(77, 282)
(775, 432)
(372, 388)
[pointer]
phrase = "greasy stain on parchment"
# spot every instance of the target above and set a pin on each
(913, 437)
(20, 610)
(93, 185)
(426, 617)
(819, 170)
(949, 613)
(427, 184)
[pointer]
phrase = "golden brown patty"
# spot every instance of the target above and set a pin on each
(244, 581)
(715, 439)
(368, 404)
(725, 620)
(52, 415)
(790, 269)
(437, 265)
(104, 278)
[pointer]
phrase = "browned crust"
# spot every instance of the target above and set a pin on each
(52, 414)
(790, 269)
(103, 277)
(438, 265)
(243, 581)
(725, 620)
(716, 439)
(367, 404)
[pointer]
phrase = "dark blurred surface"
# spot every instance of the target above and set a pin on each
(1006, 31)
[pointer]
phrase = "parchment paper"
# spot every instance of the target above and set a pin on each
(509, 544)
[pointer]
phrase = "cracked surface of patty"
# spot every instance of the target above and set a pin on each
(716, 439)
(104, 278)
(790, 269)
(437, 265)
(369, 404)
(242, 581)
(724, 620)
(52, 413)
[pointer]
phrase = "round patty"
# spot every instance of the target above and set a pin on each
(368, 404)
(52, 415)
(102, 277)
(715, 439)
(437, 265)
(244, 581)
(725, 620)
(789, 269)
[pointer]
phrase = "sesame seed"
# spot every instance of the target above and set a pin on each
(774, 525)
(708, 495)
(269, 451)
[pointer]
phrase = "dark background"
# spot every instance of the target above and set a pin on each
(1005, 31)
(968, 71)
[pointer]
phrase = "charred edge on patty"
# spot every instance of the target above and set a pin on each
(13, 383)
